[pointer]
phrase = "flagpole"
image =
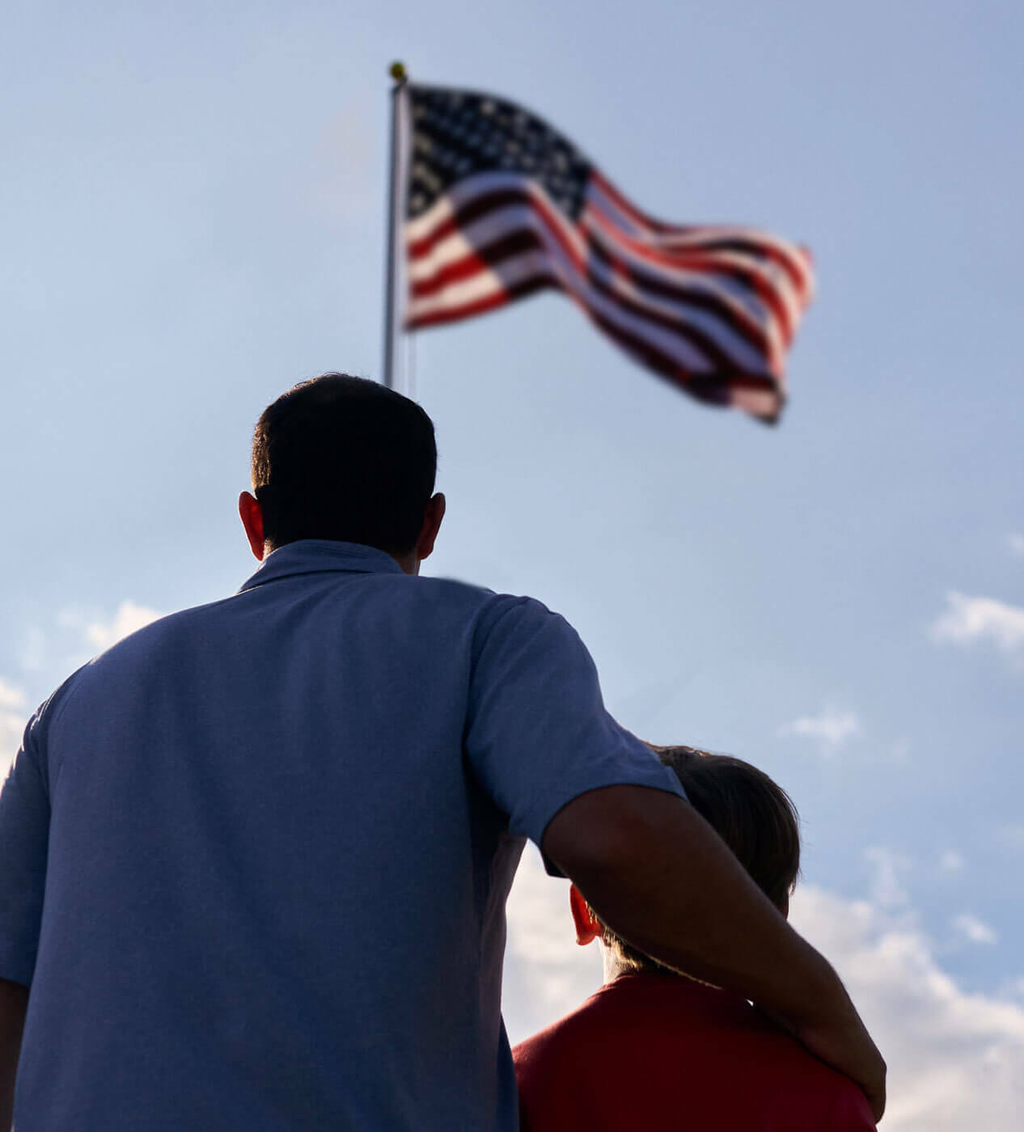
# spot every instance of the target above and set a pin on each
(391, 329)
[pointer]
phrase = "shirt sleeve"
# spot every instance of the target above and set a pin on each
(24, 833)
(538, 734)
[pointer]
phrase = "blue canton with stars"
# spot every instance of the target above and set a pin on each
(457, 133)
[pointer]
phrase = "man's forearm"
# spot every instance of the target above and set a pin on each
(672, 889)
(660, 877)
(13, 1005)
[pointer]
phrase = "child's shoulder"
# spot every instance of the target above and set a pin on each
(574, 1027)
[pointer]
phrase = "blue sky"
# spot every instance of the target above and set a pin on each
(192, 218)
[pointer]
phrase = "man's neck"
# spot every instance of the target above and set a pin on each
(409, 562)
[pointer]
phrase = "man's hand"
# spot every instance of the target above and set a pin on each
(13, 1005)
(859, 1059)
(660, 877)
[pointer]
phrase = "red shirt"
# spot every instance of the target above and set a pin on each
(657, 1051)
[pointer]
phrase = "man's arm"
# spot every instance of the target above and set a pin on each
(660, 877)
(13, 1004)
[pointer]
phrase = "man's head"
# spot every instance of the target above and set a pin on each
(752, 814)
(343, 458)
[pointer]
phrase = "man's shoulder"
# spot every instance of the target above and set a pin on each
(123, 652)
(152, 629)
(486, 609)
(471, 594)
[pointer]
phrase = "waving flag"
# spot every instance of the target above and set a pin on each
(499, 205)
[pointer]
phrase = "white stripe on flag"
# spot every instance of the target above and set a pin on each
(509, 219)
(597, 197)
(553, 262)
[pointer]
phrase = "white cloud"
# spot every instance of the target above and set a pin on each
(1016, 542)
(33, 650)
(129, 617)
(1010, 836)
(886, 887)
(980, 618)
(956, 1060)
(1014, 988)
(551, 974)
(952, 862)
(13, 716)
(973, 929)
(831, 728)
(10, 696)
(73, 627)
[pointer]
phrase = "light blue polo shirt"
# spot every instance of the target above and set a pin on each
(254, 858)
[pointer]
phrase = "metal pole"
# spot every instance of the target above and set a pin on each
(398, 73)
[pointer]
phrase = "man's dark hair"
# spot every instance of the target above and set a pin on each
(343, 458)
(752, 814)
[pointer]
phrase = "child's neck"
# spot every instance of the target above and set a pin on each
(614, 966)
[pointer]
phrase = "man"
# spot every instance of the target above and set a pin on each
(254, 858)
(657, 1050)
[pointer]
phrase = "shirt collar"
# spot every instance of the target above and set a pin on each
(667, 982)
(317, 556)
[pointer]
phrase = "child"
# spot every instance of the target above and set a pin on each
(655, 1049)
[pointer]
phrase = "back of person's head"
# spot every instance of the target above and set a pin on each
(752, 814)
(343, 458)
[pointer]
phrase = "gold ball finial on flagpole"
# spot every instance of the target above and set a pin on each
(398, 72)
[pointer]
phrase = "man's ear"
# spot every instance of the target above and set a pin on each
(251, 514)
(588, 926)
(431, 525)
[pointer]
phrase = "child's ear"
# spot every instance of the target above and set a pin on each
(588, 926)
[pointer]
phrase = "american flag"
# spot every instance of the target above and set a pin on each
(499, 205)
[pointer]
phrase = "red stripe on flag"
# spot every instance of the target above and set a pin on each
(624, 204)
(490, 257)
(733, 316)
(480, 259)
(464, 215)
(479, 306)
(588, 275)
(701, 262)
(796, 263)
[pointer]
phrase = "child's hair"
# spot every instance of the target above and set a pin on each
(752, 814)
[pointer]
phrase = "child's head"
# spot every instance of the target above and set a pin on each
(752, 814)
